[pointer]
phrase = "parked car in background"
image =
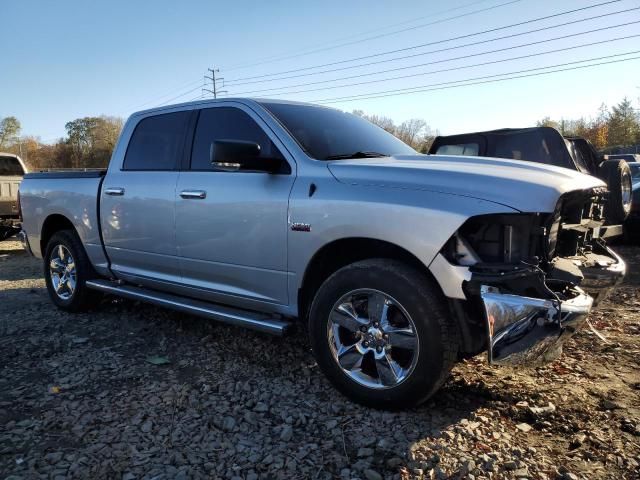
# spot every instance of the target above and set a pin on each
(12, 171)
(628, 157)
(264, 213)
(546, 145)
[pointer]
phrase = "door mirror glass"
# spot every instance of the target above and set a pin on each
(234, 155)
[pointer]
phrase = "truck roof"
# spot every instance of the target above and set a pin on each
(211, 101)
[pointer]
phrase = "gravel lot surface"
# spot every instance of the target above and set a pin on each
(88, 396)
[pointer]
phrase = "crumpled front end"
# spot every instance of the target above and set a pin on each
(530, 279)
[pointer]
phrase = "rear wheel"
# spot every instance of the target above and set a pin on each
(66, 270)
(617, 174)
(380, 332)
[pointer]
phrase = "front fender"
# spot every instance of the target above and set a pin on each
(420, 222)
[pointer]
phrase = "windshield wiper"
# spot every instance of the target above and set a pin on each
(356, 155)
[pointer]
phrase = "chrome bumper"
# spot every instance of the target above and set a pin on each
(526, 331)
(24, 240)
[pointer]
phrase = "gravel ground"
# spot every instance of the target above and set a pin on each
(88, 396)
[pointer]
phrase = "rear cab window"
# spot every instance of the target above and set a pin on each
(157, 142)
(468, 149)
(10, 167)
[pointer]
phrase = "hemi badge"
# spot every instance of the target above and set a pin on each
(300, 227)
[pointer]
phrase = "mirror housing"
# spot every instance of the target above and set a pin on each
(235, 155)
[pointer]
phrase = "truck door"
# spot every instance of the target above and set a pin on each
(231, 226)
(137, 203)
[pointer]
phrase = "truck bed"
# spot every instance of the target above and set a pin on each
(63, 196)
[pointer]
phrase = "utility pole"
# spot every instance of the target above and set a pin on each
(214, 83)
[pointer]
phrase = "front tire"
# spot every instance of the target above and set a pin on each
(380, 331)
(66, 270)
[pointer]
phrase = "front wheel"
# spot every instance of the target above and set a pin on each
(66, 269)
(381, 333)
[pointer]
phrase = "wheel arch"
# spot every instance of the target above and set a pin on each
(341, 252)
(52, 224)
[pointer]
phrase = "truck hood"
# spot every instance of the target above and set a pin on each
(524, 186)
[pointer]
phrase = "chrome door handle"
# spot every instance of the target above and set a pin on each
(114, 191)
(193, 194)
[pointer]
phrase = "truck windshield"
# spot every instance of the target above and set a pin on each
(329, 134)
(10, 166)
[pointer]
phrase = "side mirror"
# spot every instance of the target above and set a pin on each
(229, 155)
(234, 155)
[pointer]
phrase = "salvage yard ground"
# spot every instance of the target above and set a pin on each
(131, 391)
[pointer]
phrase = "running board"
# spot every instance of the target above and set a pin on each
(233, 316)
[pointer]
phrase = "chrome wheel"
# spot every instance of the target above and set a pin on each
(372, 338)
(62, 270)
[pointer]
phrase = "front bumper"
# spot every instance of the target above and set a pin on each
(601, 277)
(526, 331)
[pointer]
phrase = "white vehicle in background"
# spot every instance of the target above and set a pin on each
(12, 170)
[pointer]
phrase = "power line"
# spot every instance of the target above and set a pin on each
(446, 60)
(273, 59)
(179, 96)
(169, 92)
(462, 67)
(413, 47)
(480, 80)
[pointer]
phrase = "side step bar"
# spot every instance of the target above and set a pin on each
(233, 316)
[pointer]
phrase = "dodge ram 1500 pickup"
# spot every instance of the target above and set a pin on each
(265, 213)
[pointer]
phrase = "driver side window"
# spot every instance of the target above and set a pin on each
(227, 123)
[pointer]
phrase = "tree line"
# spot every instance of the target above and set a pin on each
(609, 130)
(89, 141)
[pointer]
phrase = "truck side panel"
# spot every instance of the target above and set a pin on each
(74, 197)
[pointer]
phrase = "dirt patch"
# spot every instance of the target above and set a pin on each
(78, 399)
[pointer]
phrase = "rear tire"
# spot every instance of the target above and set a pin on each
(418, 339)
(66, 270)
(617, 175)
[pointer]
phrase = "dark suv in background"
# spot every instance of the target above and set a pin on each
(547, 145)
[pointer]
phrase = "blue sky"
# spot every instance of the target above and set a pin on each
(68, 59)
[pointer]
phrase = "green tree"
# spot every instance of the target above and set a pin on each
(548, 122)
(92, 139)
(9, 131)
(623, 124)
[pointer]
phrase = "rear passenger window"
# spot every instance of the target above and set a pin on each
(157, 142)
(227, 123)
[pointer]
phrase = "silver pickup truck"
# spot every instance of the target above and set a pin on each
(265, 214)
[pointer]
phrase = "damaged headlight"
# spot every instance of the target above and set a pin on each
(508, 238)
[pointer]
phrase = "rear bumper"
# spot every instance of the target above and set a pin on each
(10, 222)
(529, 331)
